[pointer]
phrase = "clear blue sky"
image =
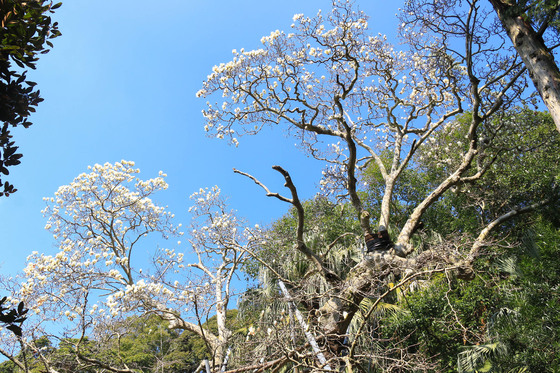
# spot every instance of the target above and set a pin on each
(120, 83)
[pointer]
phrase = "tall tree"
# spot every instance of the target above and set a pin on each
(26, 32)
(351, 100)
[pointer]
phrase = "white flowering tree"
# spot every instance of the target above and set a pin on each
(353, 101)
(104, 222)
(220, 240)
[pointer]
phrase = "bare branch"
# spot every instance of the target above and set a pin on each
(300, 244)
(13, 359)
(268, 192)
(480, 240)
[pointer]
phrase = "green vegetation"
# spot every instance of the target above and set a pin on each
(143, 344)
(25, 34)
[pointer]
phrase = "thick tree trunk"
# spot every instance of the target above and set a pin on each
(337, 313)
(540, 63)
(216, 343)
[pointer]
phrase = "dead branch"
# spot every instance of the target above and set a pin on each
(329, 275)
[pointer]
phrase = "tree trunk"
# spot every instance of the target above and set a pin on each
(540, 63)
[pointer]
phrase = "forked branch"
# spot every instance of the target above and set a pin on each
(330, 276)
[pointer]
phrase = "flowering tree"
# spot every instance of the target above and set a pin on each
(102, 223)
(352, 101)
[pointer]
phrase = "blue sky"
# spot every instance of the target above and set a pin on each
(120, 83)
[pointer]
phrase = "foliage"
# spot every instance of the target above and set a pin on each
(441, 317)
(13, 317)
(540, 12)
(331, 228)
(518, 157)
(506, 320)
(26, 28)
(143, 344)
(528, 323)
(147, 344)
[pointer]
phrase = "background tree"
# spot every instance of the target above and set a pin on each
(145, 344)
(26, 32)
(100, 221)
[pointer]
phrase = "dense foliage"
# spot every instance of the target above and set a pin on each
(26, 31)
(504, 320)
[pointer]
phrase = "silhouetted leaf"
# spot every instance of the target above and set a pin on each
(15, 329)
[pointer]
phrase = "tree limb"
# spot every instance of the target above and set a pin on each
(329, 275)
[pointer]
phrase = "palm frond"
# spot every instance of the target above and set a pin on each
(480, 358)
(509, 265)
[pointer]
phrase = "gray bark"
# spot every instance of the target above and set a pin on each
(530, 46)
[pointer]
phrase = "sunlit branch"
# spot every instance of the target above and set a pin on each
(301, 246)
(483, 235)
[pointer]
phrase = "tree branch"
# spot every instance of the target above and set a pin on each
(329, 275)
(480, 240)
